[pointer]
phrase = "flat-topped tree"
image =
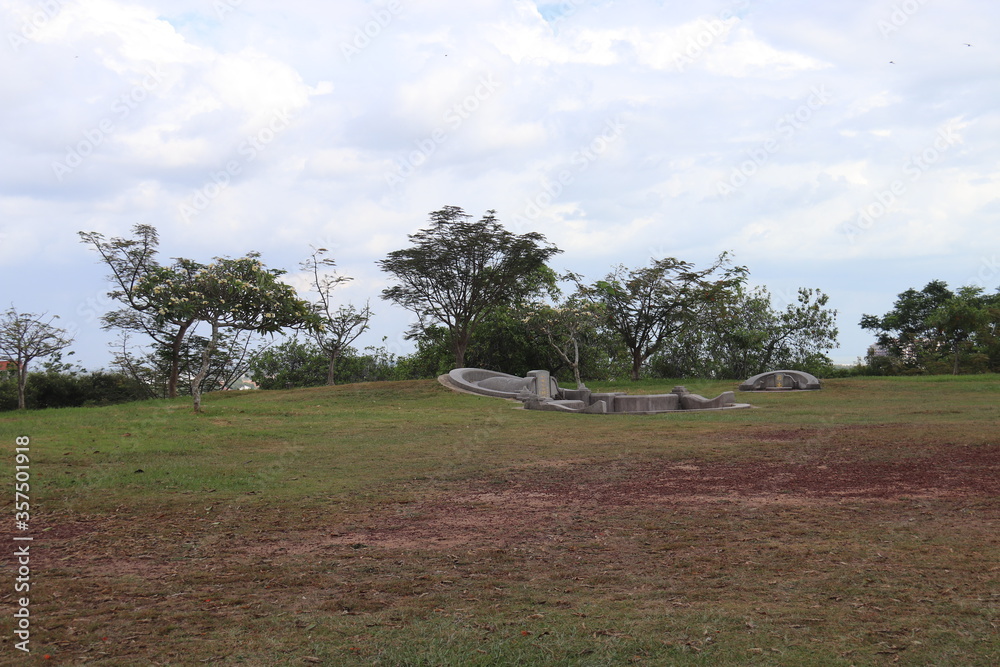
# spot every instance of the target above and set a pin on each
(239, 294)
(457, 271)
(649, 305)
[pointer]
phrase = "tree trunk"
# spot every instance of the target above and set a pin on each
(636, 366)
(460, 343)
(206, 360)
(22, 381)
(954, 370)
(332, 370)
(175, 361)
(576, 365)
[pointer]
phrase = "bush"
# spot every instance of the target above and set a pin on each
(71, 390)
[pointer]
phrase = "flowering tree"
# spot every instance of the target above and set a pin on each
(239, 294)
(131, 262)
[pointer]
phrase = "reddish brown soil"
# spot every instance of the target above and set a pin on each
(528, 502)
(523, 506)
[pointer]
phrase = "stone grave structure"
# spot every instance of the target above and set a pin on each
(781, 381)
(540, 391)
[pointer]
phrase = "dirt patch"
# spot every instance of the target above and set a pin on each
(528, 507)
(537, 504)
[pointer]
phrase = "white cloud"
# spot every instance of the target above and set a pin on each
(187, 92)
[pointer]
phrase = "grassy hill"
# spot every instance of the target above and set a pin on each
(403, 524)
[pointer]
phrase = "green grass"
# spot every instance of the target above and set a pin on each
(403, 524)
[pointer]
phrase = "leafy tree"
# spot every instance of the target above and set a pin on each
(53, 388)
(298, 363)
(648, 306)
(906, 332)
(237, 294)
(234, 351)
(566, 327)
(937, 330)
(959, 319)
(294, 363)
(433, 355)
(458, 271)
(131, 262)
(25, 337)
(799, 334)
(988, 337)
(739, 334)
(341, 325)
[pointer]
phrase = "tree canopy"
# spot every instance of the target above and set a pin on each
(934, 329)
(457, 271)
(238, 294)
(25, 337)
(131, 262)
(649, 305)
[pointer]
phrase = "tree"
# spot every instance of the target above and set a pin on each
(646, 307)
(342, 325)
(131, 262)
(457, 272)
(959, 319)
(231, 359)
(238, 294)
(905, 332)
(565, 327)
(25, 337)
(935, 329)
(805, 329)
(740, 334)
(293, 363)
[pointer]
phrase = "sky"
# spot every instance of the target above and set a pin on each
(852, 147)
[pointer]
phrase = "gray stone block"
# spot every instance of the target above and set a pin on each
(646, 403)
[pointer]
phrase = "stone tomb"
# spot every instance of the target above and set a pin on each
(781, 381)
(540, 391)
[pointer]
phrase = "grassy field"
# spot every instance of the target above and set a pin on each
(403, 524)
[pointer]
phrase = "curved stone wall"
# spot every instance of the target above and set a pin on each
(781, 381)
(540, 391)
